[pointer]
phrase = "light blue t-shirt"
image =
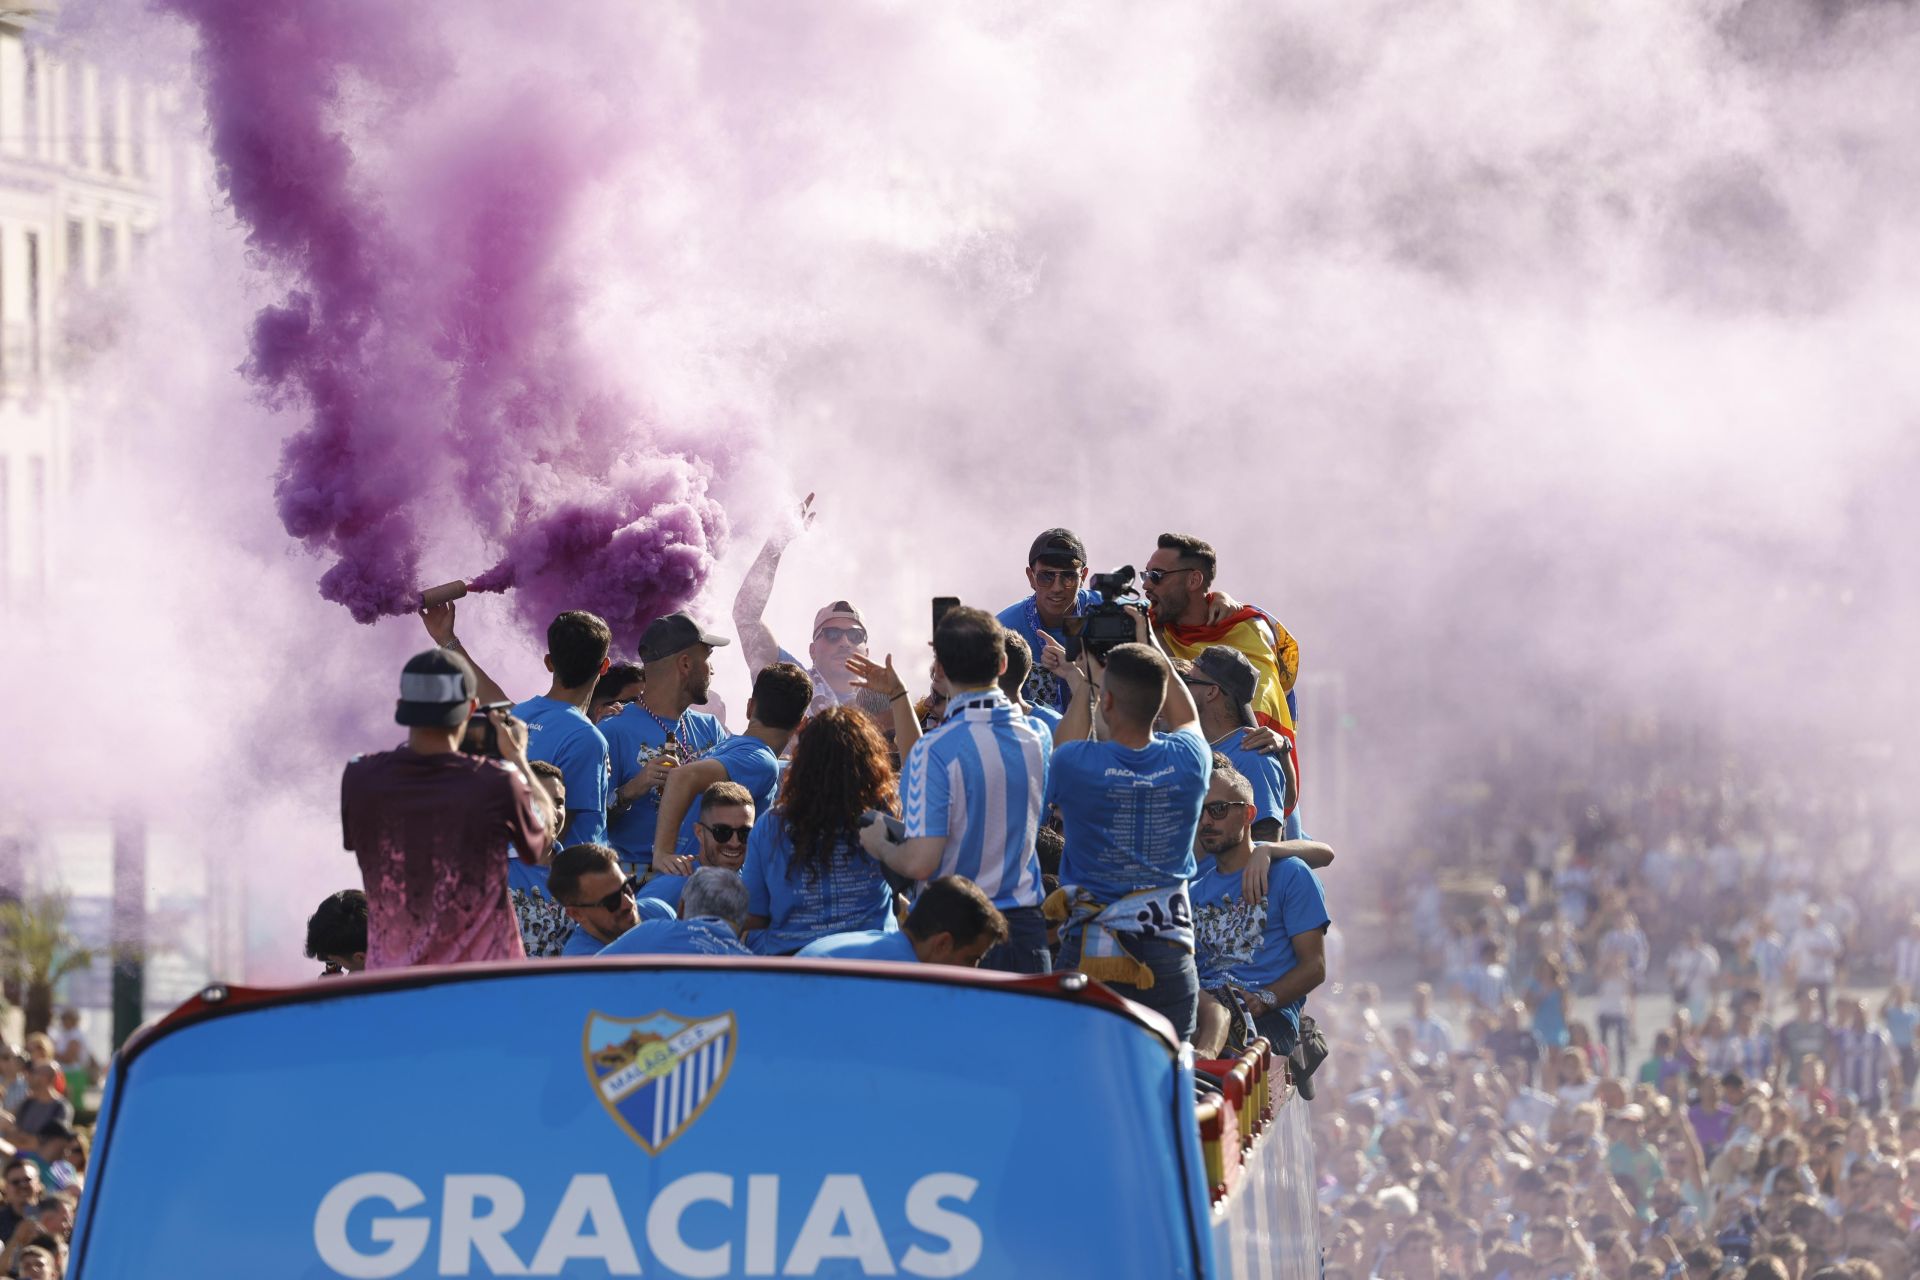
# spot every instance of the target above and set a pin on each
(583, 943)
(702, 937)
(980, 780)
(866, 944)
(1252, 943)
(749, 762)
(1269, 779)
(1045, 719)
(1130, 815)
(560, 733)
(850, 894)
(635, 738)
(1041, 689)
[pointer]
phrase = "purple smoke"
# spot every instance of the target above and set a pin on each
(430, 331)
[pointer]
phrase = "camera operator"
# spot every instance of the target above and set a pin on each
(973, 789)
(1130, 800)
(1057, 572)
(1178, 579)
(430, 825)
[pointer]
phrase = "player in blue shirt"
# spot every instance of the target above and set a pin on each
(599, 897)
(781, 694)
(1271, 950)
(714, 909)
(557, 726)
(952, 922)
(806, 875)
(839, 632)
(974, 789)
(1057, 572)
(1130, 804)
(661, 731)
(725, 823)
(1223, 682)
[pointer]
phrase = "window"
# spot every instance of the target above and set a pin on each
(109, 250)
(30, 95)
(109, 90)
(33, 303)
(76, 271)
(76, 115)
(137, 133)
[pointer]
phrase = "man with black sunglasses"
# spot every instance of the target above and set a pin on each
(838, 633)
(599, 897)
(725, 821)
(1270, 949)
(19, 1195)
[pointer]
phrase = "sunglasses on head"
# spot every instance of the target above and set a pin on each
(724, 833)
(612, 901)
(1221, 808)
(834, 635)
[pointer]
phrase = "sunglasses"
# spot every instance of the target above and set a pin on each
(1156, 576)
(725, 834)
(1055, 577)
(333, 970)
(1217, 809)
(612, 901)
(1193, 683)
(834, 635)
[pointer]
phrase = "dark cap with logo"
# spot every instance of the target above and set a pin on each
(1058, 547)
(667, 636)
(435, 688)
(1233, 672)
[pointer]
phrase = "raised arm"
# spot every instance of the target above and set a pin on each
(685, 783)
(1178, 709)
(438, 620)
(1077, 724)
(883, 679)
(757, 644)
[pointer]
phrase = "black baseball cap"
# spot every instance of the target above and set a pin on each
(1060, 545)
(435, 688)
(667, 636)
(1233, 672)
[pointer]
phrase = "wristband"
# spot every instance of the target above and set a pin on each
(896, 697)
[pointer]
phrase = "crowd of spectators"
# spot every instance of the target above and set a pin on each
(43, 1149)
(1660, 1029)
(1090, 779)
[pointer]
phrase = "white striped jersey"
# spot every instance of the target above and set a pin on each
(980, 779)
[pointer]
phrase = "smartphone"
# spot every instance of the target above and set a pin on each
(940, 606)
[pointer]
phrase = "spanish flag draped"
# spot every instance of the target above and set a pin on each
(1268, 645)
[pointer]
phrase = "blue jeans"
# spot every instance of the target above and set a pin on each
(1025, 950)
(1175, 993)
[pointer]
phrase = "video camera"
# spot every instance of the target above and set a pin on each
(481, 738)
(1109, 623)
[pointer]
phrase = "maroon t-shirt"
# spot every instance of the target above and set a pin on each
(431, 833)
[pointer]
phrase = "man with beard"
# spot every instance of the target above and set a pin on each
(781, 695)
(661, 731)
(726, 819)
(1177, 580)
(1270, 948)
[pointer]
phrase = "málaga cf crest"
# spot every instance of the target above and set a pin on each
(656, 1074)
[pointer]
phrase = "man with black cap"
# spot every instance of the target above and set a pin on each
(661, 731)
(431, 824)
(781, 695)
(1223, 683)
(838, 633)
(1057, 572)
